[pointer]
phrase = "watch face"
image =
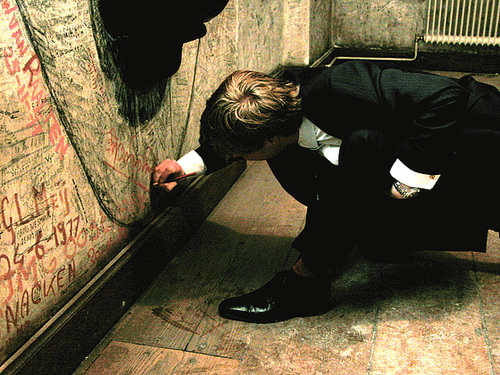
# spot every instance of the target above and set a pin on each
(406, 191)
(412, 193)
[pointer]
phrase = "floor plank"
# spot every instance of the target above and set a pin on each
(430, 319)
(488, 279)
(126, 358)
(241, 246)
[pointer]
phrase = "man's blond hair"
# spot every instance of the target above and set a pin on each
(247, 109)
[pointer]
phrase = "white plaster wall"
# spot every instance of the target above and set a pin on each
(377, 23)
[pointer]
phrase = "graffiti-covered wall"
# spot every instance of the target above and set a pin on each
(78, 141)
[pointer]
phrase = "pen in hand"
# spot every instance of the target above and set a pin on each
(175, 179)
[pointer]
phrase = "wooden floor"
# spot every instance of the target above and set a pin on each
(437, 314)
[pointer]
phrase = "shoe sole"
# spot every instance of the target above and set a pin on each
(276, 320)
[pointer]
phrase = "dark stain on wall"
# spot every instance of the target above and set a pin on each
(140, 46)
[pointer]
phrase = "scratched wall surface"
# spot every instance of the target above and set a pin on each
(377, 23)
(74, 164)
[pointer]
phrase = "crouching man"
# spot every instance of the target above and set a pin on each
(386, 160)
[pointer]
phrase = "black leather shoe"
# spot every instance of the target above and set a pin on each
(286, 296)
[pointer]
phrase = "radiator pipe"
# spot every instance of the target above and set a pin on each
(373, 58)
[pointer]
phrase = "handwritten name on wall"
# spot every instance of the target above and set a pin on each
(53, 234)
(24, 66)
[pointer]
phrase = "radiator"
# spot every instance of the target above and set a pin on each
(474, 22)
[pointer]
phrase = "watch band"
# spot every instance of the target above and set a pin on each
(406, 191)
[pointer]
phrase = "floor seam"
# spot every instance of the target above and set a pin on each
(484, 326)
(374, 340)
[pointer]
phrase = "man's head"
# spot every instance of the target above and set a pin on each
(251, 111)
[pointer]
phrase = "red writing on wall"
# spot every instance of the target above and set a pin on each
(44, 238)
(29, 238)
(95, 76)
(44, 289)
(124, 159)
(14, 212)
(30, 90)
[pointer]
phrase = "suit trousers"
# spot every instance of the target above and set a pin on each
(348, 205)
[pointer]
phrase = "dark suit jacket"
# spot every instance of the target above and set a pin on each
(433, 124)
(424, 112)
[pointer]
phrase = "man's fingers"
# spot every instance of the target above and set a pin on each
(165, 175)
(164, 170)
(160, 170)
(169, 186)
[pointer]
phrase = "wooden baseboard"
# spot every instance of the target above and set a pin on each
(62, 344)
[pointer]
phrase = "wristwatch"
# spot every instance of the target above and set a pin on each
(406, 191)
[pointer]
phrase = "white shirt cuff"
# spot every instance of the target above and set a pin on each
(192, 162)
(331, 153)
(411, 178)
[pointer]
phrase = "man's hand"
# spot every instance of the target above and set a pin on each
(165, 171)
(393, 193)
(401, 191)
